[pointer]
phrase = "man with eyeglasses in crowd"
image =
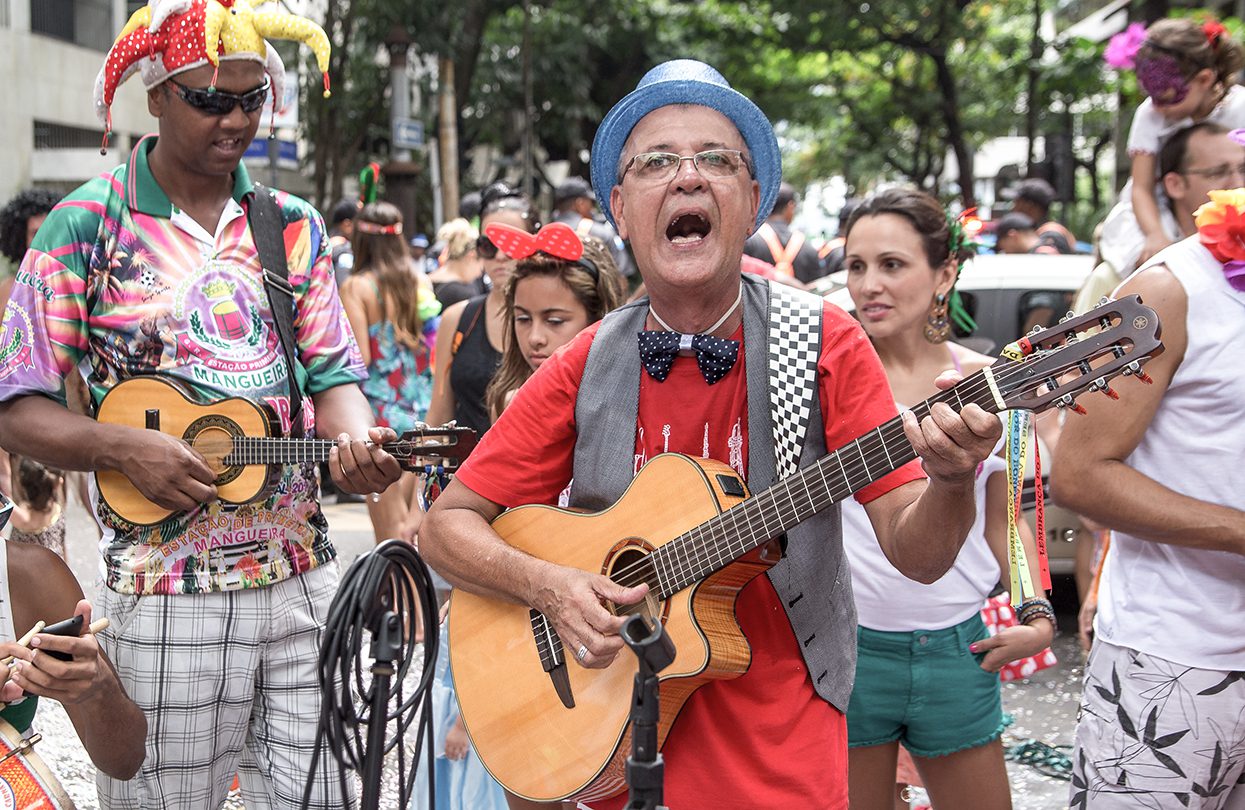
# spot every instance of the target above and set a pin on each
(687, 168)
(153, 268)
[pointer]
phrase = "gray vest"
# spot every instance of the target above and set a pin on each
(812, 579)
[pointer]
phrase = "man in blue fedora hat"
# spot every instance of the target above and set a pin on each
(761, 378)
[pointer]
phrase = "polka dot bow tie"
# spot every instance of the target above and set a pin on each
(715, 356)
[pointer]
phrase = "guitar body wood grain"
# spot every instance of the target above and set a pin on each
(529, 741)
(208, 428)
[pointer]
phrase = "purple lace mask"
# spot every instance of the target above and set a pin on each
(1162, 80)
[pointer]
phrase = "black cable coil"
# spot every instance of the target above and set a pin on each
(391, 577)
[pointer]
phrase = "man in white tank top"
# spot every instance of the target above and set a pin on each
(1164, 694)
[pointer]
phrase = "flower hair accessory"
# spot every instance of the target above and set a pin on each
(960, 239)
(1121, 52)
(1214, 31)
(1221, 230)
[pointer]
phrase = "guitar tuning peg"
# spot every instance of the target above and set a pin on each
(1066, 401)
(1101, 384)
(1134, 368)
(1102, 302)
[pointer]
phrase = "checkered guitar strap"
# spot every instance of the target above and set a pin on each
(794, 345)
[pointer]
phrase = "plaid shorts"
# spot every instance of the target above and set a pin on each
(1156, 734)
(228, 684)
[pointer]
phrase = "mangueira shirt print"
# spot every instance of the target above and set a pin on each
(119, 283)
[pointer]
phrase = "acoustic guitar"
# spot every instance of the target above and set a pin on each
(239, 439)
(551, 731)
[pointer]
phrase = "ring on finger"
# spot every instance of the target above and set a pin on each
(341, 466)
(581, 653)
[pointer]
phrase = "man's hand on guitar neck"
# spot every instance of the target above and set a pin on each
(951, 444)
(165, 469)
(361, 466)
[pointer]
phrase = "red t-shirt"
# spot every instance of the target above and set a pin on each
(764, 739)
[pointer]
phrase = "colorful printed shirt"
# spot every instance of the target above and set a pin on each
(119, 283)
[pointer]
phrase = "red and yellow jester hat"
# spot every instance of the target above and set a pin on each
(167, 37)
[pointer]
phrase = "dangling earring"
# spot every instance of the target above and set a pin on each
(938, 327)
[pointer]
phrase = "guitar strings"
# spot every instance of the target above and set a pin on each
(268, 446)
(698, 543)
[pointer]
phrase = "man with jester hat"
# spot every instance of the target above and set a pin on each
(153, 268)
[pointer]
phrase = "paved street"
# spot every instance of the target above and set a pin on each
(1044, 708)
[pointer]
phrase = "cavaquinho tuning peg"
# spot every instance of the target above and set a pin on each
(1066, 401)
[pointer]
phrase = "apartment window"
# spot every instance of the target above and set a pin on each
(83, 22)
(60, 136)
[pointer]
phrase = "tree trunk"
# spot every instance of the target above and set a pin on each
(1036, 46)
(447, 137)
(955, 127)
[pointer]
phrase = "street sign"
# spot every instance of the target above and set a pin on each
(408, 133)
(259, 154)
(288, 117)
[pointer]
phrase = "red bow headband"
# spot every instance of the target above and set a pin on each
(557, 239)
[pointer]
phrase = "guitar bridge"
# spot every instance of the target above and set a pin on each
(552, 657)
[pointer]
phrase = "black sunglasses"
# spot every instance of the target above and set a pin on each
(216, 102)
(486, 248)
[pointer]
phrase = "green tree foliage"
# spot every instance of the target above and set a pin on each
(870, 90)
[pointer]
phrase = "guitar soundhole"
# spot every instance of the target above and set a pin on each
(630, 564)
(213, 437)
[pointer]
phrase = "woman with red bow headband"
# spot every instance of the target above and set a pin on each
(559, 286)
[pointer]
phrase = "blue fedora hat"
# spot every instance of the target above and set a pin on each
(686, 81)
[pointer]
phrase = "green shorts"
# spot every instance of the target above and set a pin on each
(924, 689)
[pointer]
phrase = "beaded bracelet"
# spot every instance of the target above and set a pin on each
(1034, 609)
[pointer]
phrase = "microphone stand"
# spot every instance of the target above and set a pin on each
(386, 641)
(645, 767)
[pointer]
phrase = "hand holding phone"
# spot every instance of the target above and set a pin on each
(69, 627)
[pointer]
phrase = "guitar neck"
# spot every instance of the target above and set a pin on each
(278, 450)
(720, 541)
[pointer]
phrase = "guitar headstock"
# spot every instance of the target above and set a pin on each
(445, 446)
(1052, 366)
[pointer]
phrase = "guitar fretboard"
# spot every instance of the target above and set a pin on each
(714, 544)
(281, 450)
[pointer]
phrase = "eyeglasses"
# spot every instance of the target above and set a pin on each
(486, 248)
(713, 164)
(216, 102)
(1218, 173)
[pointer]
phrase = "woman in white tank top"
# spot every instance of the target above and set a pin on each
(926, 666)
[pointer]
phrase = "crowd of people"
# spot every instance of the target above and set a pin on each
(662, 307)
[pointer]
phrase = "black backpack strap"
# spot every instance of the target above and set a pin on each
(267, 225)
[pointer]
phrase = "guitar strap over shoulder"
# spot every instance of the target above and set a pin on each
(794, 346)
(267, 225)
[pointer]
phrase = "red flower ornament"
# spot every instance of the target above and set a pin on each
(1221, 229)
